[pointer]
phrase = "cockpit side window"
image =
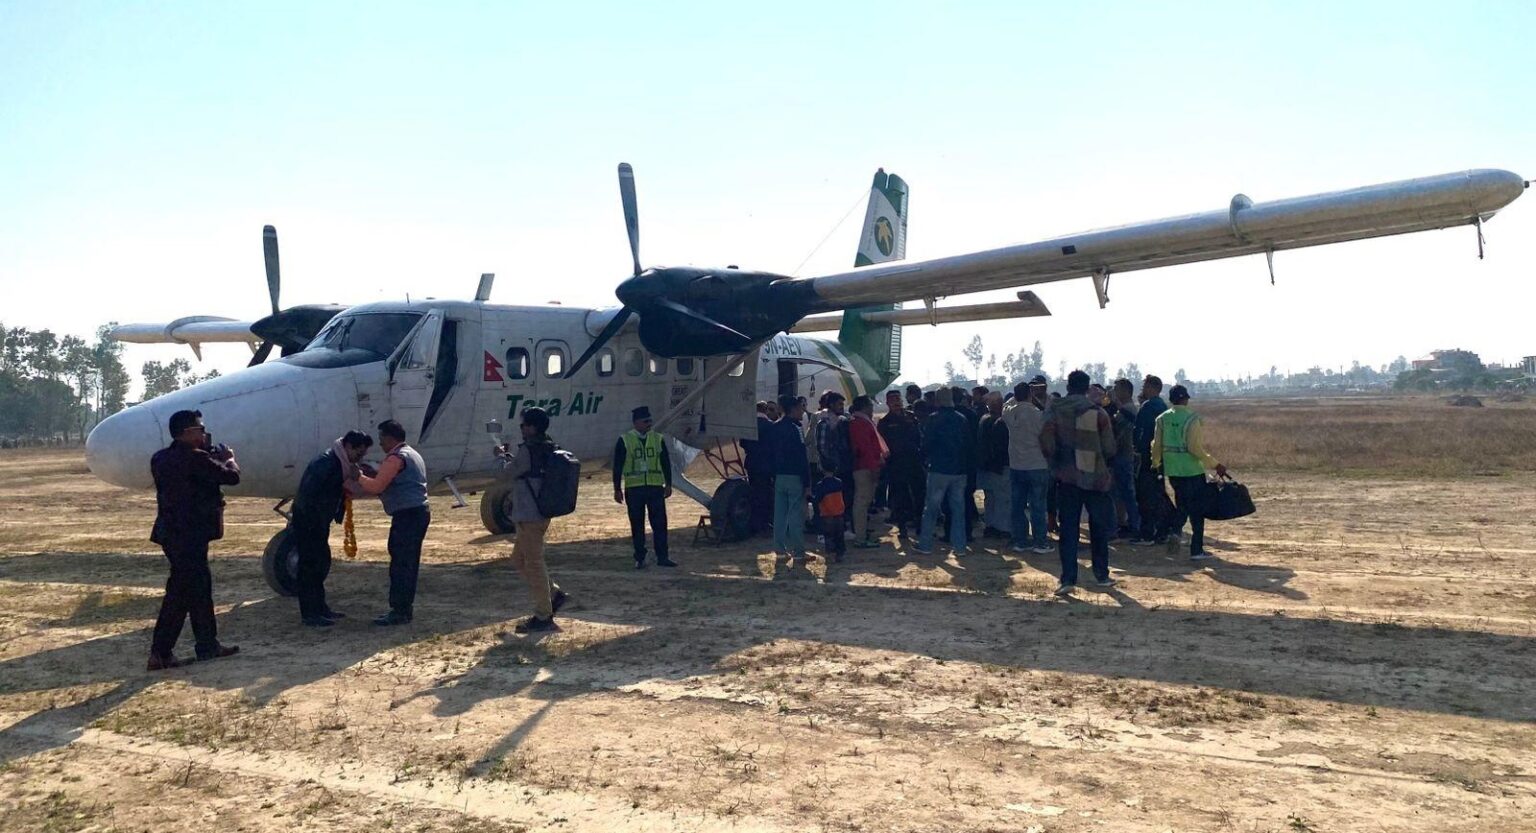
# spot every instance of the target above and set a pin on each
(355, 339)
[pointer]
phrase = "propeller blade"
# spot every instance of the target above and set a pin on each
(274, 278)
(602, 338)
(700, 317)
(631, 210)
(262, 353)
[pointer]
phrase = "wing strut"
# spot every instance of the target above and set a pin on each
(1101, 285)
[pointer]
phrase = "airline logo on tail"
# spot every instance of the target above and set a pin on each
(885, 238)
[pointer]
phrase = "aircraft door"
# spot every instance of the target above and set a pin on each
(730, 404)
(789, 377)
(413, 371)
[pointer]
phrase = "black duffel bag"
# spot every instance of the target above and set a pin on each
(1225, 499)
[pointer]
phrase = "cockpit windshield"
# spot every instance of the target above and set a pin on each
(358, 338)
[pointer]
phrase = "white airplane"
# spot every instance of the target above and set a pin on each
(709, 343)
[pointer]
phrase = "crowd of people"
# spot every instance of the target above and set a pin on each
(1042, 461)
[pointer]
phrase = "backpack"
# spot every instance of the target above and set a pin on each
(561, 474)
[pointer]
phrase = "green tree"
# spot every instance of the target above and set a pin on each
(973, 354)
(161, 379)
(112, 379)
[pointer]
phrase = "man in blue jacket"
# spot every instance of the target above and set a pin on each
(947, 439)
(1151, 494)
(791, 479)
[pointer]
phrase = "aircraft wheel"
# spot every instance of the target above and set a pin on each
(496, 509)
(280, 563)
(730, 510)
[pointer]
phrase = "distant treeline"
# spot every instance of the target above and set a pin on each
(53, 388)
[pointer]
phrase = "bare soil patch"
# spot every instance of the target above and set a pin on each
(1361, 656)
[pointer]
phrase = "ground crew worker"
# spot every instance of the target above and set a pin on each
(401, 484)
(190, 513)
(320, 501)
(1178, 451)
(642, 481)
(524, 467)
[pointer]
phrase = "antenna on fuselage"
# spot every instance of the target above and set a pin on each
(483, 292)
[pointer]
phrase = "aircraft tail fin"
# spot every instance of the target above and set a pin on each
(875, 348)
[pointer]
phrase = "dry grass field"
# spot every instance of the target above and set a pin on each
(1361, 656)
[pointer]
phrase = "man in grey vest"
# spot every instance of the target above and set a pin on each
(401, 484)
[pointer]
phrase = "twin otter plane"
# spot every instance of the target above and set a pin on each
(699, 346)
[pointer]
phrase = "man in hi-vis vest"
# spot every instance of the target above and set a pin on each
(642, 481)
(1177, 449)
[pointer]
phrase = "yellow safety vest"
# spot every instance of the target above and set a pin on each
(642, 459)
(1177, 460)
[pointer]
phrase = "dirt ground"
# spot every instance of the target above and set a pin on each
(1361, 656)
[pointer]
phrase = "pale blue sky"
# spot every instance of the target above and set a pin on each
(403, 148)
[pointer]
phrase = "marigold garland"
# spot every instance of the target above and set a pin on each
(349, 533)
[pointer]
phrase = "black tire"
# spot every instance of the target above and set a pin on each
(730, 510)
(496, 509)
(280, 563)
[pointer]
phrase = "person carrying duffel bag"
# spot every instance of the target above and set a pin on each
(1178, 451)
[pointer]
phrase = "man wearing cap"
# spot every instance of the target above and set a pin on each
(642, 481)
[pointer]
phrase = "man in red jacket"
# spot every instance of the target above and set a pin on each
(868, 457)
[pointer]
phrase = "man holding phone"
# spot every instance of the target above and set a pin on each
(190, 513)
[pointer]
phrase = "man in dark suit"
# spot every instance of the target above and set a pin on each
(188, 474)
(322, 500)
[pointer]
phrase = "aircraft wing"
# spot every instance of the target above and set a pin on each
(193, 329)
(1243, 228)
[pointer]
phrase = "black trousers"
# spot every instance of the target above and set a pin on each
(760, 500)
(407, 529)
(640, 500)
(314, 547)
(1186, 496)
(1151, 497)
(188, 593)
(908, 491)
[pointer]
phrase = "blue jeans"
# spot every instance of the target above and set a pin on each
(789, 514)
(950, 489)
(1070, 501)
(1028, 509)
(1124, 469)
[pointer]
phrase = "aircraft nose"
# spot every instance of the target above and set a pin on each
(119, 448)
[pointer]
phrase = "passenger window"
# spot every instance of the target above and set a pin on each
(554, 362)
(634, 362)
(518, 365)
(685, 367)
(605, 363)
(740, 368)
(658, 366)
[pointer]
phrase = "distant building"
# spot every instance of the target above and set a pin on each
(1452, 359)
(1528, 366)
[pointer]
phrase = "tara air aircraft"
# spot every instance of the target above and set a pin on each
(701, 345)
